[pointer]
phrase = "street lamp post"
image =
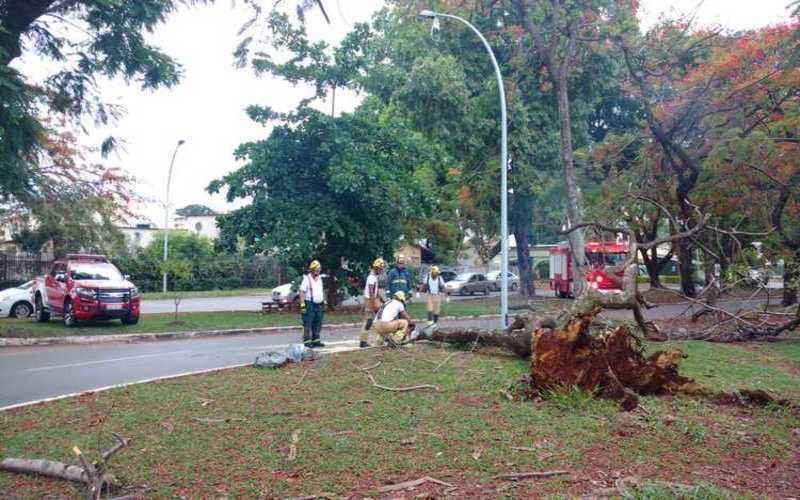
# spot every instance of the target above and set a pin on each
(503, 164)
(166, 214)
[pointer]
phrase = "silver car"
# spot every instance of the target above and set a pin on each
(468, 284)
(494, 277)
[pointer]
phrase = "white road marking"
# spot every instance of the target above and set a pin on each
(153, 379)
(101, 361)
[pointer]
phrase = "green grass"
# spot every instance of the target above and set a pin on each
(354, 438)
(203, 321)
(208, 293)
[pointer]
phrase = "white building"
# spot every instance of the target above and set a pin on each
(203, 225)
(139, 235)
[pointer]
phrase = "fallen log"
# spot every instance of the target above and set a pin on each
(43, 467)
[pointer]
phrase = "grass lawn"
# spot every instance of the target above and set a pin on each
(354, 438)
(10, 327)
(238, 292)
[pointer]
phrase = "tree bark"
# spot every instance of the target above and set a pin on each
(522, 219)
(791, 277)
(49, 468)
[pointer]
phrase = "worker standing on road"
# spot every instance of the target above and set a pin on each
(393, 323)
(399, 279)
(434, 288)
(312, 305)
(372, 299)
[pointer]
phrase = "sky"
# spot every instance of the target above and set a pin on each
(207, 108)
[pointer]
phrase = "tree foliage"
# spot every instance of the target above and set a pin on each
(333, 189)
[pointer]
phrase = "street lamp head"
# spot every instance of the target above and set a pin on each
(428, 14)
(180, 142)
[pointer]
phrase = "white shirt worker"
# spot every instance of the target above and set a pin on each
(312, 288)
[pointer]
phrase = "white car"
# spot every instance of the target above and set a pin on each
(283, 294)
(16, 302)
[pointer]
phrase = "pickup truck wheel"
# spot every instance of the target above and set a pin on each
(69, 315)
(21, 309)
(130, 320)
(42, 315)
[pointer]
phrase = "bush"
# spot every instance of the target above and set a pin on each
(204, 268)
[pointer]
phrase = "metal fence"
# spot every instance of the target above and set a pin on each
(18, 268)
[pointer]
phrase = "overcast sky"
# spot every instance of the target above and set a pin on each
(207, 108)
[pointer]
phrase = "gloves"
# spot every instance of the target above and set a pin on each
(303, 307)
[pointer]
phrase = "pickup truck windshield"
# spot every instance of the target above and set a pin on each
(95, 271)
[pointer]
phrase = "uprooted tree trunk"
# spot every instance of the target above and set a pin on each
(612, 364)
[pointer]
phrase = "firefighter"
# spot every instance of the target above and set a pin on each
(312, 305)
(372, 299)
(399, 279)
(434, 286)
(393, 323)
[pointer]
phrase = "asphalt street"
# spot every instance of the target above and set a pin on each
(248, 303)
(34, 373)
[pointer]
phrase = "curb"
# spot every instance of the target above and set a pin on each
(151, 337)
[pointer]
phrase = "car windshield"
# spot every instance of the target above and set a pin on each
(95, 271)
(463, 277)
(26, 286)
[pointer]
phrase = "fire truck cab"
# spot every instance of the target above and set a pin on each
(599, 256)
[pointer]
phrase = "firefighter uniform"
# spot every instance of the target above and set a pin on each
(372, 299)
(312, 305)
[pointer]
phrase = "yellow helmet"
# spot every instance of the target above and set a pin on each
(379, 263)
(314, 266)
(435, 270)
(400, 295)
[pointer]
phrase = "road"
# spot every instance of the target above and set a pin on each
(246, 303)
(34, 373)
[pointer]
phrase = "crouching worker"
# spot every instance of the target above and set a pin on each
(393, 323)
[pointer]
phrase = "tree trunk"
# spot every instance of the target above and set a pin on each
(686, 268)
(576, 240)
(791, 277)
(654, 266)
(521, 220)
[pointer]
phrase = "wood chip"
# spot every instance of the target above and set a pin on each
(293, 447)
(410, 485)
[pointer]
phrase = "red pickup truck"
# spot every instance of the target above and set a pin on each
(85, 287)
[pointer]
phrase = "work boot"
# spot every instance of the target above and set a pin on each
(317, 343)
(436, 318)
(363, 344)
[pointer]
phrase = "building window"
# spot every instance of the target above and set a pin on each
(198, 227)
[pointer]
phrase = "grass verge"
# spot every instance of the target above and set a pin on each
(202, 321)
(229, 434)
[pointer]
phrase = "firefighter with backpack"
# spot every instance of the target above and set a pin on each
(434, 290)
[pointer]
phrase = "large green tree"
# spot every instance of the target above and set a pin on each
(334, 189)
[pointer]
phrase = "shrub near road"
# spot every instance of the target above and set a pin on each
(231, 433)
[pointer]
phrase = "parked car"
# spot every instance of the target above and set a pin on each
(85, 287)
(284, 294)
(448, 275)
(494, 278)
(16, 302)
(468, 284)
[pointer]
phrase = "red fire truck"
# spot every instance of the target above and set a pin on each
(598, 256)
